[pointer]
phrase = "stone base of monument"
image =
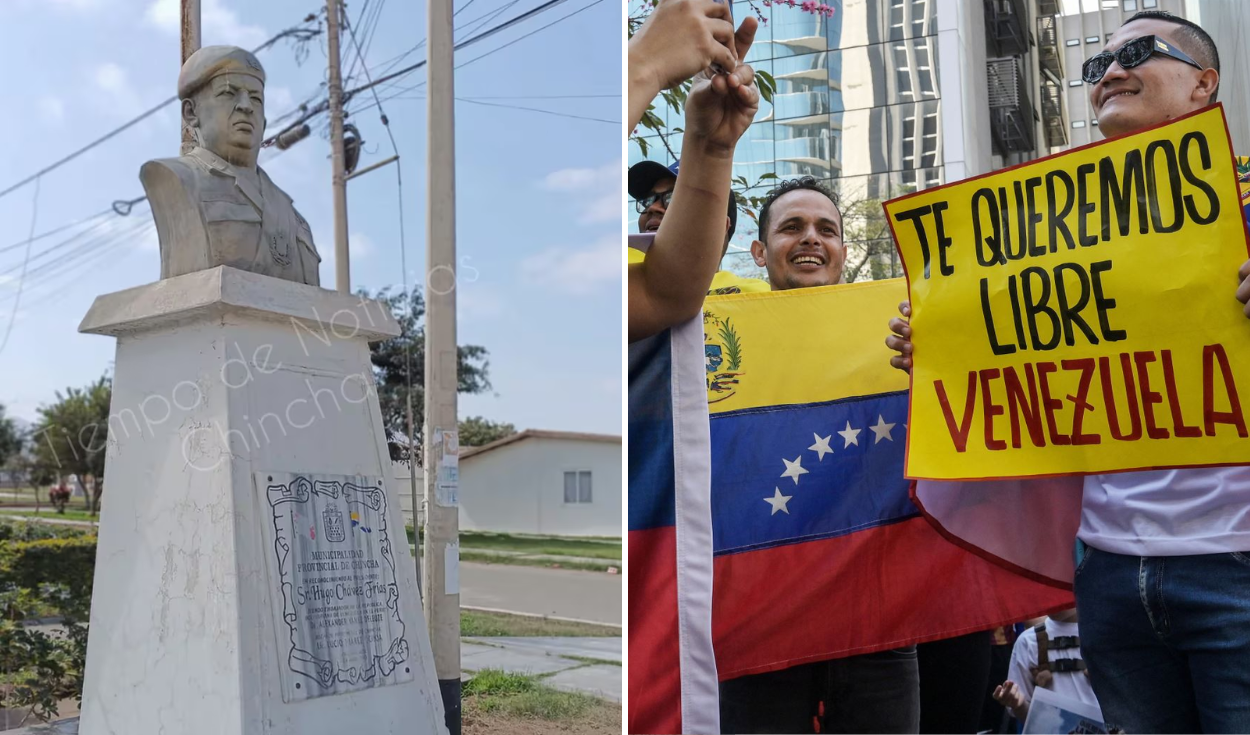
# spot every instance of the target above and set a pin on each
(253, 573)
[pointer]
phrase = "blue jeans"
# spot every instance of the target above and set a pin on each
(1167, 640)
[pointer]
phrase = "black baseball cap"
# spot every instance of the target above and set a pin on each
(645, 174)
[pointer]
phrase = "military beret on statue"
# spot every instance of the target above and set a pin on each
(213, 61)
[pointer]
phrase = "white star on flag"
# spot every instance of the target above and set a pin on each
(778, 502)
(821, 447)
(882, 429)
(851, 436)
(794, 469)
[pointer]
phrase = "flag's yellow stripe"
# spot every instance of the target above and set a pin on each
(809, 345)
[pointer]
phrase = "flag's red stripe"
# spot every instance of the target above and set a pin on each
(654, 663)
(873, 590)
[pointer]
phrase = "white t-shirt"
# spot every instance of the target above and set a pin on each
(1168, 512)
(1073, 684)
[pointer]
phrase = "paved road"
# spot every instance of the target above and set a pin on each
(564, 593)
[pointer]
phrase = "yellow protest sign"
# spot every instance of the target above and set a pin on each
(1077, 313)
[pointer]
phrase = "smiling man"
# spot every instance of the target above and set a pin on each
(801, 246)
(215, 206)
(800, 241)
(1162, 583)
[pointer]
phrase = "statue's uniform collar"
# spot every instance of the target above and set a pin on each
(220, 166)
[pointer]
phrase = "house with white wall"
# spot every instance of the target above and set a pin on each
(556, 483)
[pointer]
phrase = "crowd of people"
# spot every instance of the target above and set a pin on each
(1162, 580)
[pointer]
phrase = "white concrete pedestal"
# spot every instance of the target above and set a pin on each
(244, 435)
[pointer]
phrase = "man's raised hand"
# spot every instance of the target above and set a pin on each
(721, 107)
(681, 38)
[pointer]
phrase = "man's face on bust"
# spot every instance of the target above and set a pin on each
(230, 114)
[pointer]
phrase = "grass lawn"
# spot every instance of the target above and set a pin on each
(484, 624)
(69, 514)
(595, 548)
(495, 701)
(488, 558)
(550, 545)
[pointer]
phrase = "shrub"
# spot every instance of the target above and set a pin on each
(26, 531)
(59, 571)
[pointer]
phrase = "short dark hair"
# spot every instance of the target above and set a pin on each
(1197, 42)
(808, 183)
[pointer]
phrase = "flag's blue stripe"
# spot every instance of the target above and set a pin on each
(856, 487)
(652, 502)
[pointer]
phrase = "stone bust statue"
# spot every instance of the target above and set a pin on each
(215, 206)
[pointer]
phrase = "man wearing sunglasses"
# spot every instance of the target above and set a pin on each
(651, 185)
(1164, 582)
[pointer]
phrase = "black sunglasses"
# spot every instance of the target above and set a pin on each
(642, 205)
(1131, 54)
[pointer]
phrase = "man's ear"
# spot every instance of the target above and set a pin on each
(1208, 83)
(757, 253)
(189, 118)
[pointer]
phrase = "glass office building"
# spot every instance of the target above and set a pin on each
(857, 106)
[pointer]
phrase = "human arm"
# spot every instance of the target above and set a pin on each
(678, 40)
(1010, 696)
(900, 340)
(669, 286)
(1017, 692)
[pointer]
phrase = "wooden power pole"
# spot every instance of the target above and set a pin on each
(190, 44)
(338, 162)
(441, 581)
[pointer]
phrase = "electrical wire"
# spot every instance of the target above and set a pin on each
(506, 45)
(21, 283)
(535, 109)
(69, 260)
(142, 116)
(49, 233)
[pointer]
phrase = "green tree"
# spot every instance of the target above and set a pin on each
(10, 438)
(477, 431)
(400, 362)
(73, 433)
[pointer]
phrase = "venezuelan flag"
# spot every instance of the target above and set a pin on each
(819, 552)
(672, 669)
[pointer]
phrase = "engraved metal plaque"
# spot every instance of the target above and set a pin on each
(333, 584)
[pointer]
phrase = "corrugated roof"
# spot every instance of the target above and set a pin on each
(467, 452)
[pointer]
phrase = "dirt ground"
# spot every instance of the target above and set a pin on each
(603, 719)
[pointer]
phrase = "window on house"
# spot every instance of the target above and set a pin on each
(1076, 125)
(1073, 42)
(1075, 83)
(577, 487)
(1091, 39)
(1130, 5)
(1150, 3)
(1094, 122)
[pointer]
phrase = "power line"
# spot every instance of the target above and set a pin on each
(513, 41)
(60, 245)
(543, 97)
(535, 109)
(527, 35)
(145, 115)
(21, 284)
(76, 257)
(347, 95)
(49, 233)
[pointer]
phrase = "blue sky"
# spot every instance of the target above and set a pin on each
(538, 196)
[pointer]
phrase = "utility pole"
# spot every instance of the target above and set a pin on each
(190, 44)
(440, 436)
(342, 268)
